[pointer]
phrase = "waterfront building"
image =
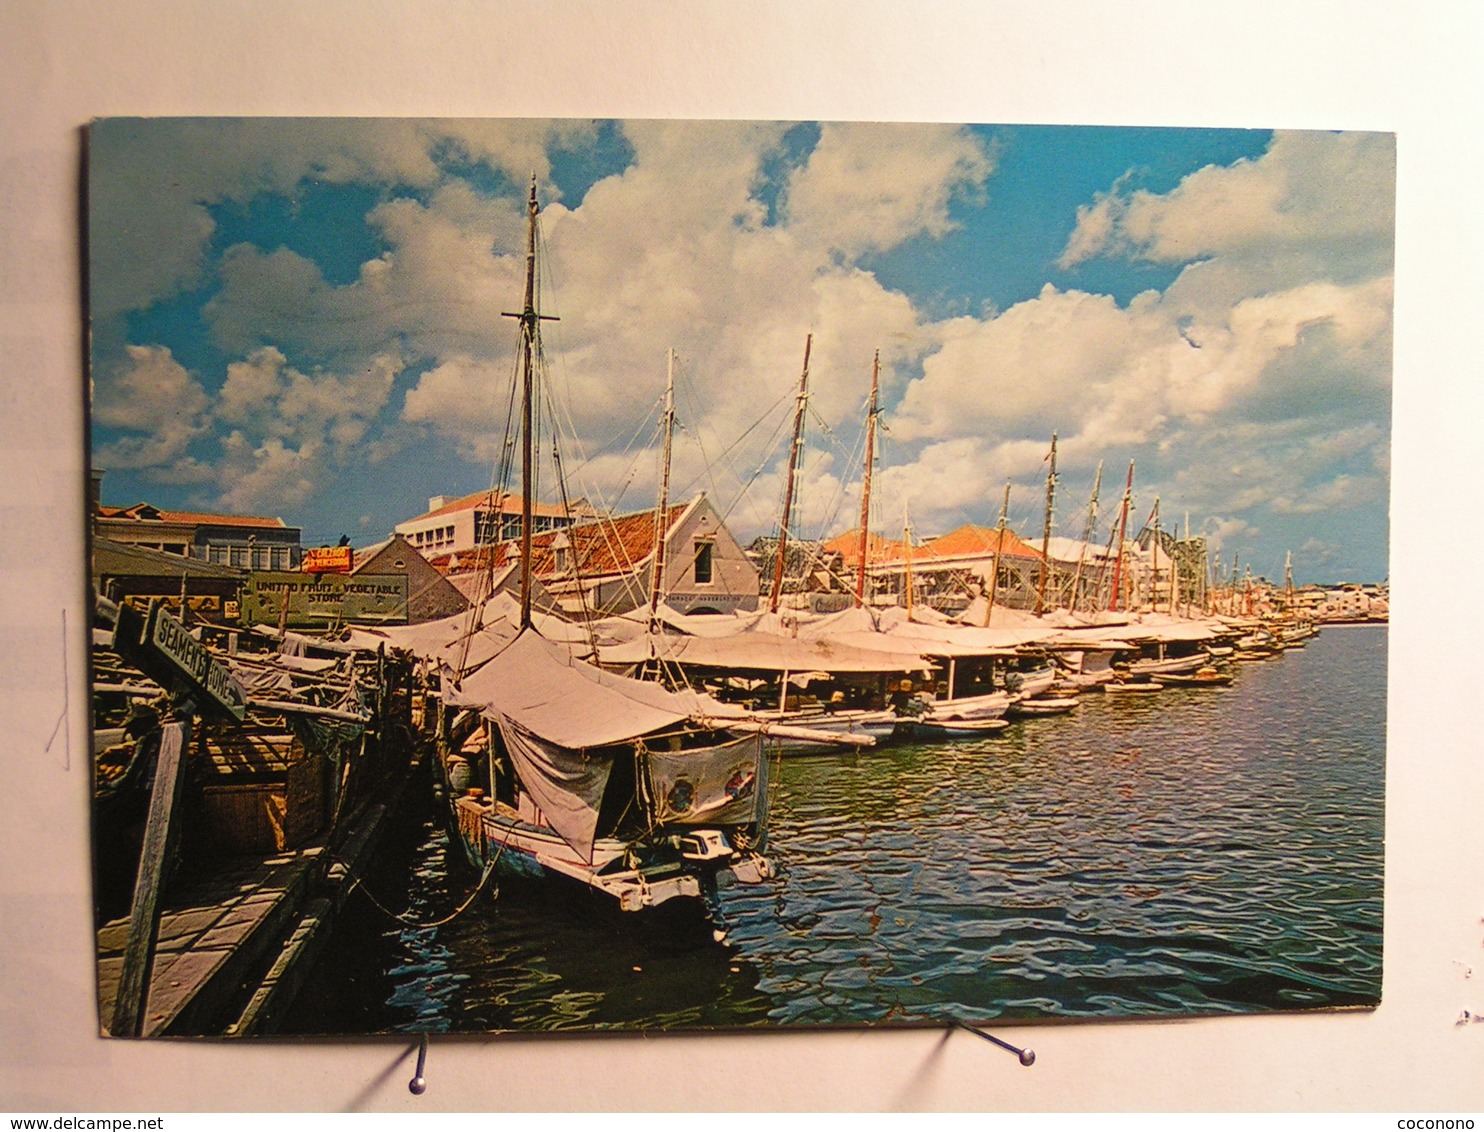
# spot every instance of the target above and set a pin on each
(456, 525)
(246, 542)
(947, 570)
(191, 590)
(430, 596)
(603, 567)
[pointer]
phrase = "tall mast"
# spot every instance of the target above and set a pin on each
(657, 559)
(1288, 584)
(907, 559)
(1092, 518)
(530, 323)
(865, 543)
(788, 488)
(1128, 491)
(1158, 550)
(999, 546)
(1046, 531)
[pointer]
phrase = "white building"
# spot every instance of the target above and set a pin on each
(456, 525)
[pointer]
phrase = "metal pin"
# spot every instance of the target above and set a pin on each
(1027, 1056)
(419, 1084)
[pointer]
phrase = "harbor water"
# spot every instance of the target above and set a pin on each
(1192, 851)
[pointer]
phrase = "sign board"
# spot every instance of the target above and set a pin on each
(318, 601)
(159, 646)
(328, 560)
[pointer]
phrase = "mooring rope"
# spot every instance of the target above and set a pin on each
(403, 918)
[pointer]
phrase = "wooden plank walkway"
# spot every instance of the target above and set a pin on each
(213, 932)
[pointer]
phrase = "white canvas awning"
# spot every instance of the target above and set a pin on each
(893, 631)
(764, 652)
(443, 641)
(564, 701)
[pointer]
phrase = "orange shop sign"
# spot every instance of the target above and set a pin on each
(327, 560)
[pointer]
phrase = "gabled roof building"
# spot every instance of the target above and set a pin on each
(453, 525)
(603, 567)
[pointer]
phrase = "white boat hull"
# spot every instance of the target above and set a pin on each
(1034, 706)
(875, 725)
(520, 848)
(1173, 666)
(1034, 683)
(989, 706)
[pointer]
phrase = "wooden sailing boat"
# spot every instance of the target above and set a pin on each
(634, 791)
(761, 666)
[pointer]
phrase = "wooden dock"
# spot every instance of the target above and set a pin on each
(214, 931)
(235, 945)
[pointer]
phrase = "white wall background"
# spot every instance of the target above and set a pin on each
(1362, 64)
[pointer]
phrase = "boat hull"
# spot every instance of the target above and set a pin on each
(928, 728)
(512, 847)
(1200, 680)
(1170, 666)
(989, 706)
(1034, 707)
(875, 725)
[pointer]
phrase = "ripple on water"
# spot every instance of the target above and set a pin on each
(1194, 851)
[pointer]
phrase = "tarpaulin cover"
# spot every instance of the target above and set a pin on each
(567, 785)
(722, 784)
(765, 652)
(449, 641)
(890, 630)
(542, 688)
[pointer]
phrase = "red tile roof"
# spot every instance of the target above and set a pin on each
(189, 518)
(600, 549)
(879, 548)
(967, 542)
(201, 518)
(970, 541)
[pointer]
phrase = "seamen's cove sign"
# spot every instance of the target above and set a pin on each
(161, 647)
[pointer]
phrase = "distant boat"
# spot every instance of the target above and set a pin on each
(834, 729)
(1202, 678)
(1162, 660)
(1086, 666)
(1043, 705)
(927, 727)
(1117, 687)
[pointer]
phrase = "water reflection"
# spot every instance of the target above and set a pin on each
(1194, 851)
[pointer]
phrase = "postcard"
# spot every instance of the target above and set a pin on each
(560, 575)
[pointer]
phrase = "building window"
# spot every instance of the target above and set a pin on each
(703, 563)
(485, 528)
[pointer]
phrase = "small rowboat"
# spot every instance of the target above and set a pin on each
(1043, 706)
(1206, 678)
(1133, 686)
(957, 728)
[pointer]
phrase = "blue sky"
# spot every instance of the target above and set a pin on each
(303, 318)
